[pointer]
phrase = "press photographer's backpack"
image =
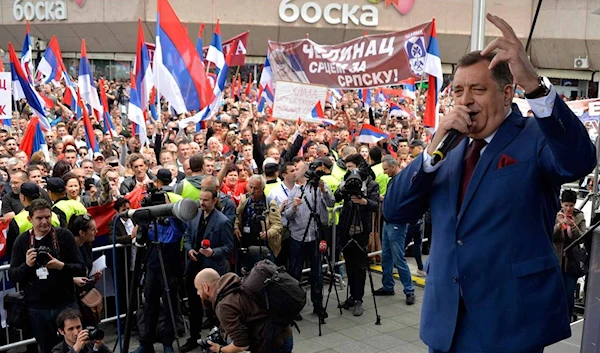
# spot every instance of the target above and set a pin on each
(275, 290)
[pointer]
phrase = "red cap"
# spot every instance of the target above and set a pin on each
(206, 243)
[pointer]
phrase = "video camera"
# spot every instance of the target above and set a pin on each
(312, 174)
(155, 196)
(215, 336)
(353, 184)
(257, 212)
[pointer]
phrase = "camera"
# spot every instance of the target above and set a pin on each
(95, 334)
(312, 174)
(215, 336)
(155, 196)
(43, 255)
(353, 184)
(257, 211)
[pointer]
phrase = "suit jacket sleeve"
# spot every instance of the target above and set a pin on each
(407, 195)
(190, 234)
(226, 236)
(566, 153)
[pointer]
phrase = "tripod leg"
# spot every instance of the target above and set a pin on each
(168, 295)
(378, 318)
(135, 284)
(331, 284)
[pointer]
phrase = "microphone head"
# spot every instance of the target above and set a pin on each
(206, 243)
(185, 209)
(322, 246)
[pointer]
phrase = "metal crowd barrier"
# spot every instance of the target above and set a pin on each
(102, 285)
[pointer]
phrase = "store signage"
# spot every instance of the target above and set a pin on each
(49, 10)
(333, 13)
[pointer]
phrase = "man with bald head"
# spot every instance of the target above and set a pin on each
(241, 318)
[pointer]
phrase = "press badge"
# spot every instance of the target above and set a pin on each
(246, 230)
(42, 273)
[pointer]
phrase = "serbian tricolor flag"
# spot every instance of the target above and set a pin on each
(409, 88)
(88, 129)
(21, 88)
(199, 43)
(433, 67)
(317, 116)
(107, 125)
(136, 113)
(142, 70)
(104, 214)
(51, 65)
(86, 84)
(179, 73)
(33, 139)
(371, 134)
(365, 96)
(27, 55)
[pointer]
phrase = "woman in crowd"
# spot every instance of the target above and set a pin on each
(73, 188)
(570, 224)
(231, 184)
(84, 229)
(61, 168)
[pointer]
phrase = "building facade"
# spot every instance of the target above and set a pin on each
(565, 45)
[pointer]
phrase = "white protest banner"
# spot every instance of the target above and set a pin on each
(295, 101)
(5, 99)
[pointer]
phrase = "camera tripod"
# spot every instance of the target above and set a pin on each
(142, 251)
(355, 214)
(314, 217)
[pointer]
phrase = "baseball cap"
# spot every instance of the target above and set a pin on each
(326, 162)
(98, 155)
(30, 190)
(164, 175)
(55, 185)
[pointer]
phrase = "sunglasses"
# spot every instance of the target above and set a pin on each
(113, 164)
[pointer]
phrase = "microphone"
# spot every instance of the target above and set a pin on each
(449, 141)
(322, 246)
(185, 210)
(205, 243)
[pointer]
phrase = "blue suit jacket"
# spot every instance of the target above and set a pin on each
(219, 231)
(496, 250)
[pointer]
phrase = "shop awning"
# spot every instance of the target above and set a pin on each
(567, 74)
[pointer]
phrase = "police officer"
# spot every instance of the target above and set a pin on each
(20, 223)
(63, 206)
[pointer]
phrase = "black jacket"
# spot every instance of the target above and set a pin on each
(59, 283)
(63, 347)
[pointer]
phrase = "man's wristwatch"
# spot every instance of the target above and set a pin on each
(542, 91)
(220, 349)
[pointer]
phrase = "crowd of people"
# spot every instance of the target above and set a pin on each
(257, 181)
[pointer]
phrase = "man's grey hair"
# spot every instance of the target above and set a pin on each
(348, 150)
(390, 160)
(259, 178)
(212, 180)
(12, 161)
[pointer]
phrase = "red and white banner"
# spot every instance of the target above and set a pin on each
(369, 61)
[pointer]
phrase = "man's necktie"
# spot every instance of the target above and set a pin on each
(469, 167)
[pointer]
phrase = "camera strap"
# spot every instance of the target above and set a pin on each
(55, 245)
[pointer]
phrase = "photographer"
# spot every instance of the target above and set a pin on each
(305, 244)
(167, 239)
(360, 194)
(257, 224)
(77, 339)
(45, 260)
(242, 319)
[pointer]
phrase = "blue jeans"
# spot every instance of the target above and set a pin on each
(287, 346)
(393, 255)
(298, 254)
(43, 326)
(570, 284)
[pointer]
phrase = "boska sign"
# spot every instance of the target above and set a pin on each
(40, 10)
(335, 14)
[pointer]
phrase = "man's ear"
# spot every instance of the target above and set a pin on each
(509, 92)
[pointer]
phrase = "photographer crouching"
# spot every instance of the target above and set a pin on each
(360, 194)
(243, 320)
(76, 338)
(302, 206)
(166, 239)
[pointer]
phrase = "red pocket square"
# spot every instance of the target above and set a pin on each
(505, 161)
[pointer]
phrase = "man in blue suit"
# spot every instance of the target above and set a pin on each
(493, 280)
(208, 243)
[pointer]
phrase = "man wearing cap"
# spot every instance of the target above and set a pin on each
(190, 187)
(63, 206)
(20, 223)
(164, 177)
(271, 169)
(416, 148)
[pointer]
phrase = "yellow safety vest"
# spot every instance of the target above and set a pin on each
(381, 178)
(71, 208)
(338, 172)
(189, 191)
(24, 224)
(173, 197)
(333, 184)
(270, 186)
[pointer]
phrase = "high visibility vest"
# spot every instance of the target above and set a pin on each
(270, 186)
(381, 178)
(173, 197)
(189, 191)
(338, 172)
(333, 184)
(24, 224)
(71, 208)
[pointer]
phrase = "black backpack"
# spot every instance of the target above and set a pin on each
(274, 290)
(577, 261)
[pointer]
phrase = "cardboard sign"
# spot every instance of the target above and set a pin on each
(295, 101)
